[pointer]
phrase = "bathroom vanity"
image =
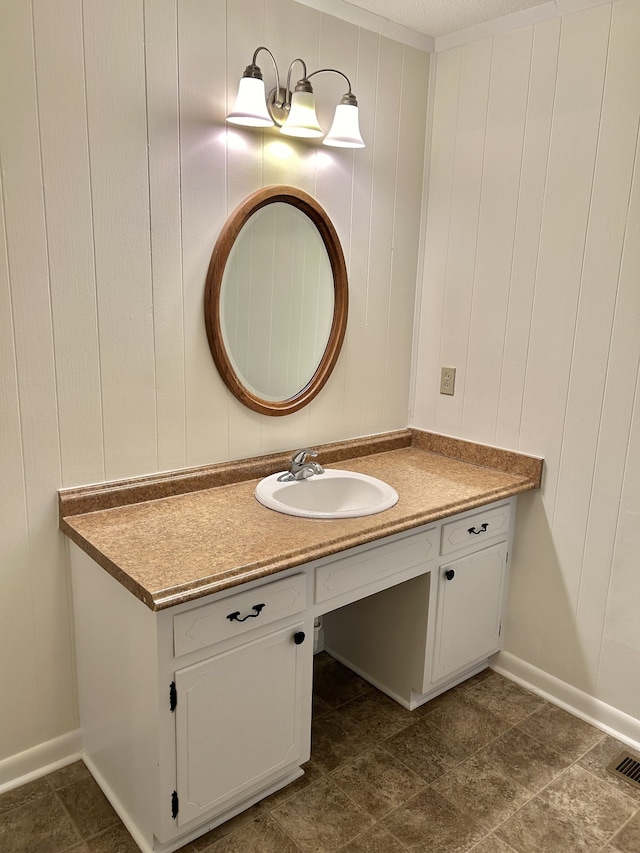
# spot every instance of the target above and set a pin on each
(195, 609)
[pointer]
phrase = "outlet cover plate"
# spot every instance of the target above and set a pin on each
(447, 380)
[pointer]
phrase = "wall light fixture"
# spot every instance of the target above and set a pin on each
(294, 112)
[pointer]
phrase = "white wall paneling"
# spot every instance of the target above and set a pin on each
(503, 145)
(405, 240)
(118, 171)
(165, 220)
(202, 76)
(538, 278)
(117, 125)
(43, 704)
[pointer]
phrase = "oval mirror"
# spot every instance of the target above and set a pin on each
(276, 300)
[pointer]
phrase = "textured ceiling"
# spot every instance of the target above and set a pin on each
(440, 17)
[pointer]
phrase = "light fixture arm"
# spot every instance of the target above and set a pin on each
(289, 90)
(253, 70)
(349, 97)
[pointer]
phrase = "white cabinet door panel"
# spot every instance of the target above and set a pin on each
(241, 716)
(470, 597)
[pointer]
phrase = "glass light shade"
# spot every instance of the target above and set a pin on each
(250, 108)
(302, 119)
(345, 130)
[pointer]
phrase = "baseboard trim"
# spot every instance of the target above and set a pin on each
(605, 717)
(39, 760)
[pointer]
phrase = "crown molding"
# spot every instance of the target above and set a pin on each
(375, 23)
(516, 20)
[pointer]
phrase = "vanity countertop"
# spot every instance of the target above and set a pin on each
(174, 538)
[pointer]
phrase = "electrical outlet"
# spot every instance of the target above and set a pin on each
(447, 380)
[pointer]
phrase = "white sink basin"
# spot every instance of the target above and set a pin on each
(334, 494)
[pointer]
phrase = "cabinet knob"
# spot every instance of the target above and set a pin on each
(298, 637)
(449, 574)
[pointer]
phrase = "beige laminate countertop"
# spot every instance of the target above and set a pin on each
(178, 547)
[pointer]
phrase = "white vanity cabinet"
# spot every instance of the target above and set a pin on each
(192, 713)
(471, 590)
(422, 637)
(242, 714)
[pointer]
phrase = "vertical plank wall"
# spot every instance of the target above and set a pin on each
(531, 290)
(117, 173)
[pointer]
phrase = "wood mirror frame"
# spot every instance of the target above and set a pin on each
(220, 255)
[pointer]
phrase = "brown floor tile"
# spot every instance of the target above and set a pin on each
(376, 715)
(24, 794)
(374, 840)
(262, 835)
(40, 826)
(528, 761)
(627, 840)
(430, 706)
(336, 739)
(333, 683)
(597, 759)
(88, 807)
(539, 828)
(466, 725)
(479, 789)
(205, 841)
(436, 780)
(319, 707)
(506, 699)
(116, 839)
(589, 801)
(430, 824)
(425, 750)
(377, 782)
(492, 844)
(311, 774)
(321, 819)
(76, 772)
(568, 735)
(455, 692)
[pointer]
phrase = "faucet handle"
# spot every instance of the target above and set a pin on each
(299, 456)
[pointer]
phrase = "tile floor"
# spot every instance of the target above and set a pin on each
(486, 767)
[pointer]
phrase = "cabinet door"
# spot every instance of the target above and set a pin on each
(241, 717)
(468, 622)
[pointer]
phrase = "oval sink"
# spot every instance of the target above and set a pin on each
(334, 494)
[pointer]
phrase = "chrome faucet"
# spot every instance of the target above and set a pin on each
(300, 469)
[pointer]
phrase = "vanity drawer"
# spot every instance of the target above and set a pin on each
(370, 567)
(473, 529)
(202, 626)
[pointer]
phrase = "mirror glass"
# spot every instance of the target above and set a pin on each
(276, 300)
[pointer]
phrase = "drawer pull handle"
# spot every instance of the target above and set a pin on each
(298, 637)
(449, 574)
(483, 528)
(235, 617)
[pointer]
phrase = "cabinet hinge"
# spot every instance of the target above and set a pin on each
(173, 696)
(500, 629)
(174, 805)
